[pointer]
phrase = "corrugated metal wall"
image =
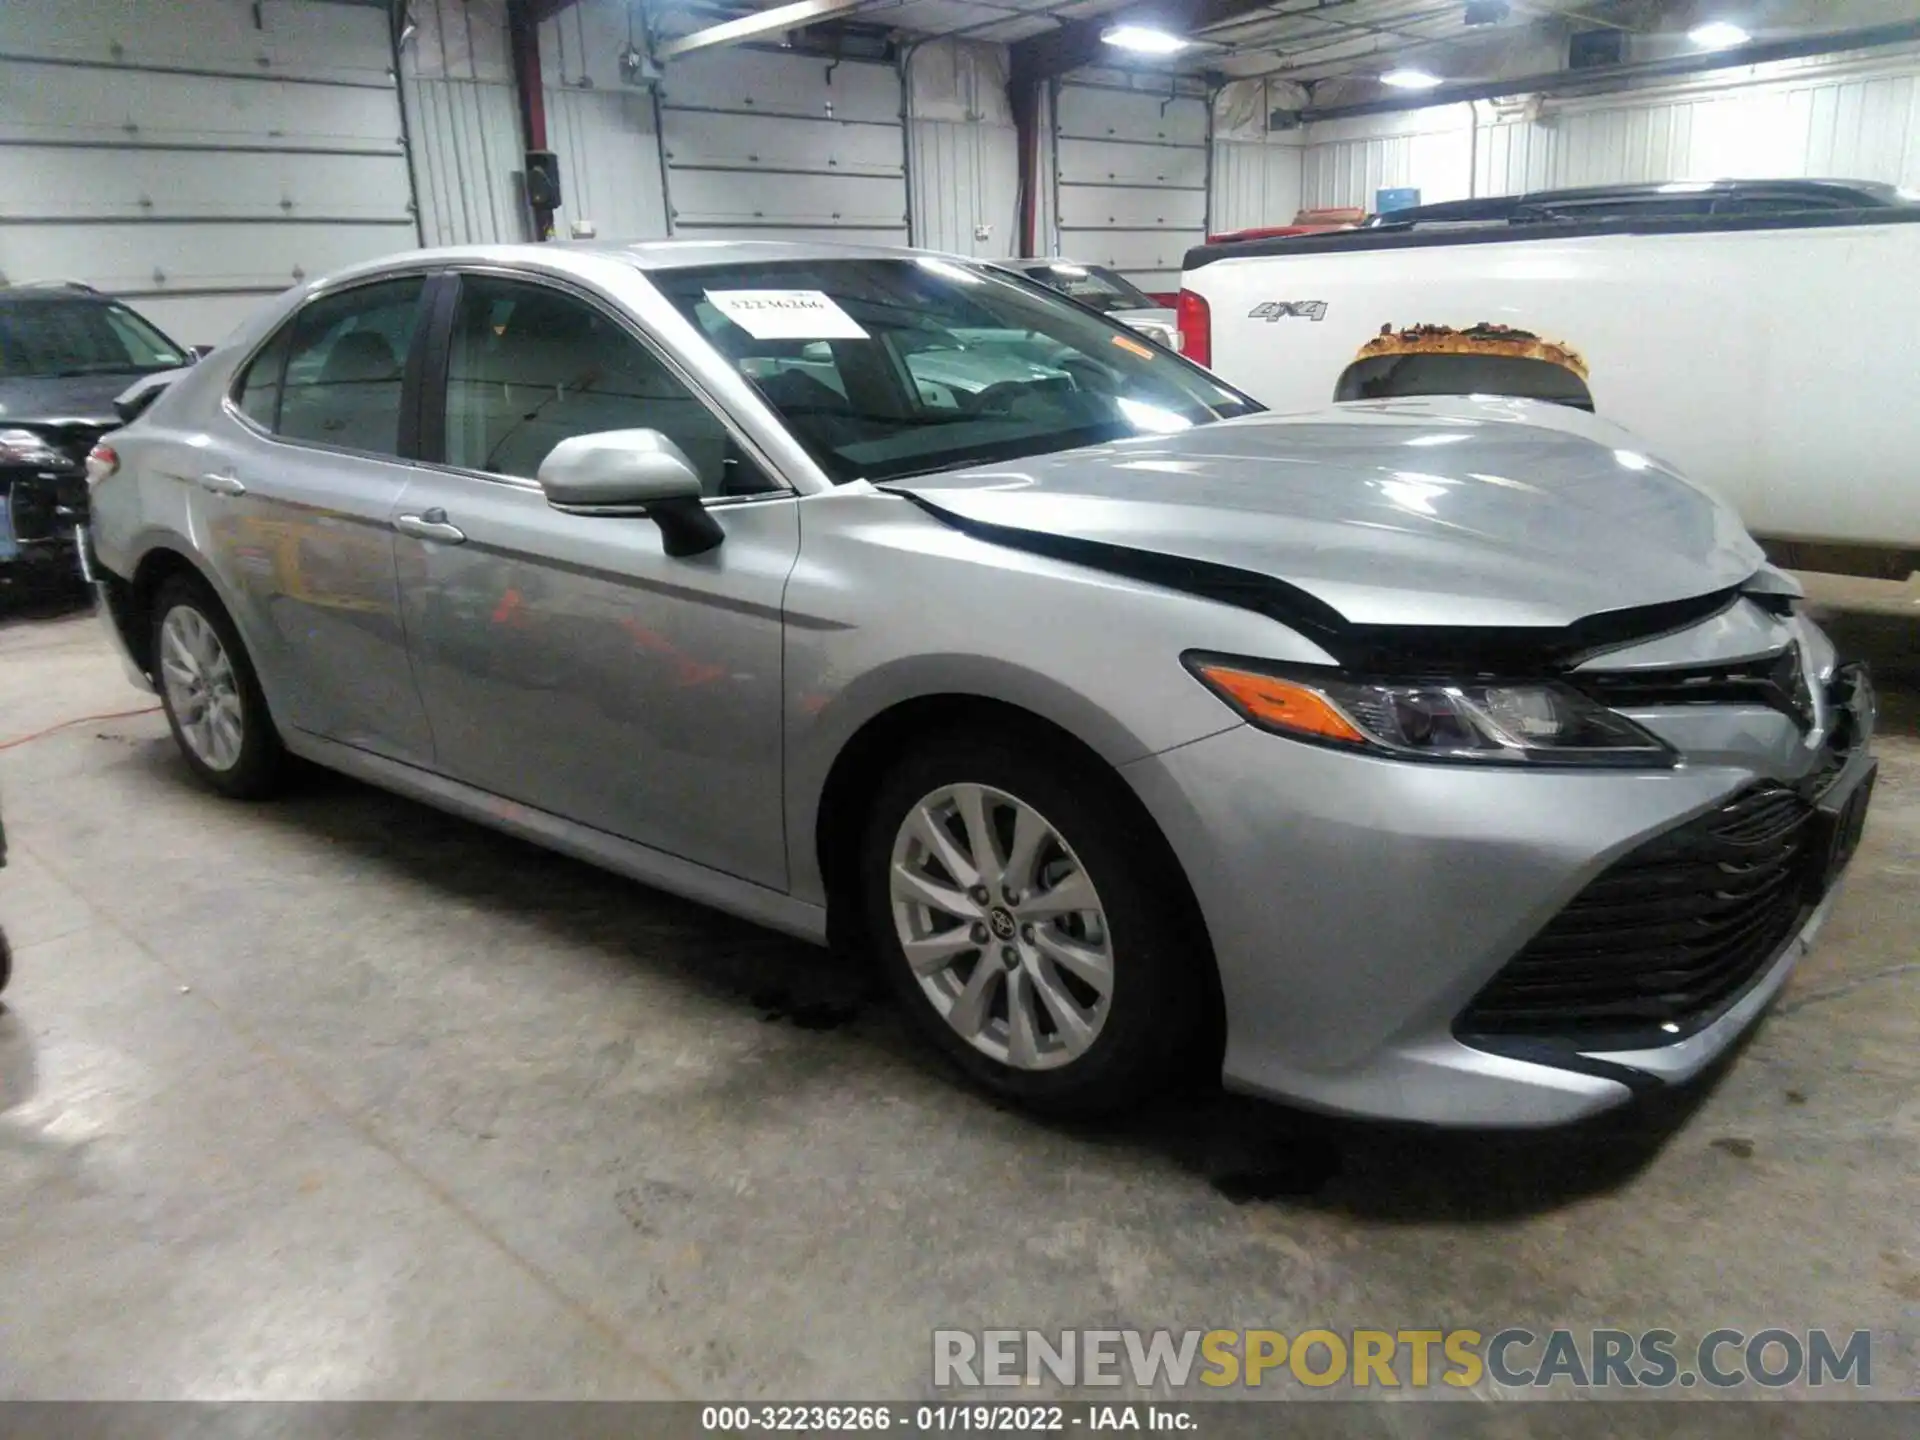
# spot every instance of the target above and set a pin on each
(194, 157)
(1347, 162)
(1855, 117)
(1255, 183)
(1256, 170)
(963, 150)
(1130, 175)
(601, 126)
(463, 122)
(1857, 120)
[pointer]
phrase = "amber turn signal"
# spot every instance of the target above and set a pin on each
(1280, 704)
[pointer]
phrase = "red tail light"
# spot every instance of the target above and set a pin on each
(1196, 328)
(101, 462)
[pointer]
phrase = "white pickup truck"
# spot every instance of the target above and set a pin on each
(1762, 338)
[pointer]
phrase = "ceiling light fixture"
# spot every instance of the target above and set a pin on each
(1144, 40)
(1718, 35)
(1405, 79)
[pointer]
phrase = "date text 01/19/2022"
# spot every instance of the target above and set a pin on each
(951, 1417)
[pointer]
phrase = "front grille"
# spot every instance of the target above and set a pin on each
(1666, 935)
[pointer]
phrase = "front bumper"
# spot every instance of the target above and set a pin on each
(40, 513)
(1357, 907)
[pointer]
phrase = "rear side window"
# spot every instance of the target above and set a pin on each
(333, 374)
(258, 391)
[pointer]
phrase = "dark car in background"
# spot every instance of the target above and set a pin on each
(66, 351)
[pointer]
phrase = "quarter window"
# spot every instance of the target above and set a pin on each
(530, 366)
(342, 380)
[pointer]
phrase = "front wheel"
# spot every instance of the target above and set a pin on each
(1030, 927)
(211, 695)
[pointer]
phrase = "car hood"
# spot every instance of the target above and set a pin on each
(1470, 513)
(63, 400)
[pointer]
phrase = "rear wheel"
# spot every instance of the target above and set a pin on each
(211, 695)
(1031, 929)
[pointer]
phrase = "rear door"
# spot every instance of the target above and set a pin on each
(566, 661)
(293, 495)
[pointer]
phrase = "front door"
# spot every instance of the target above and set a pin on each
(296, 498)
(567, 662)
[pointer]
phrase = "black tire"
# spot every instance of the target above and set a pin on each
(6, 961)
(1161, 963)
(261, 767)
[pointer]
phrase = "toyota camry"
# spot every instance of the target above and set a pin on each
(1448, 760)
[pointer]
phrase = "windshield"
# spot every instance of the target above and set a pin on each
(885, 368)
(1095, 285)
(50, 338)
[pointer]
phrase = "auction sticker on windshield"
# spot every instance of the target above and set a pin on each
(786, 314)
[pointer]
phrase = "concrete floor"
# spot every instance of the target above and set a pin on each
(340, 1097)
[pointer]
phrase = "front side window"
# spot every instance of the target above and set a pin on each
(344, 363)
(56, 336)
(885, 368)
(530, 366)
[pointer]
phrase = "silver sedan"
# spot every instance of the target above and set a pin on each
(1449, 760)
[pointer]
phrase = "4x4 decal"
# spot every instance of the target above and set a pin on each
(1271, 310)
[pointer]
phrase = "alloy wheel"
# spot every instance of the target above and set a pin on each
(1002, 926)
(202, 690)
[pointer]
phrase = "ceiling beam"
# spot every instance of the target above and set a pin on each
(1078, 42)
(795, 16)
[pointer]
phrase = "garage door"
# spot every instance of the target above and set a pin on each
(1130, 170)
(769, 146)
(194, 156)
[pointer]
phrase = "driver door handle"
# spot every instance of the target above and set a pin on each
(430, 525)
(222, 484)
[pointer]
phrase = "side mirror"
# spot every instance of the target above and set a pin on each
(198, 352)
(632, 472)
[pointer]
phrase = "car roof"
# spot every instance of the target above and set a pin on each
(585, 258)
(37, 292)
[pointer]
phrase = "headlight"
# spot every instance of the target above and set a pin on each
(29, 447)
(1525, 722)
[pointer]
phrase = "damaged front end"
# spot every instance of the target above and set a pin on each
(43, 503)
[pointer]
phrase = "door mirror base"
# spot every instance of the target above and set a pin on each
(686, 527)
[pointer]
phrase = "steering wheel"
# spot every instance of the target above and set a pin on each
(997, 398)
(1088, 374)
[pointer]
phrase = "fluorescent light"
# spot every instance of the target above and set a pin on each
(1718, 35)
(1144, 40)
(1404, 79)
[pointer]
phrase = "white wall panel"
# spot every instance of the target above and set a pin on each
(601, 126)
(965, 177)
(464, 136)
(1130, 178)
(463, 123)
(1255, 183)
(194, 155)
(609, 162)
